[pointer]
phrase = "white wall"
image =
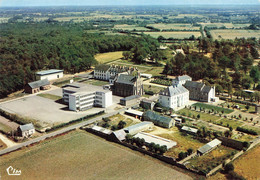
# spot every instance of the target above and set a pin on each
(72, 102)
(50, 76)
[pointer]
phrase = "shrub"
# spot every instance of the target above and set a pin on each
(248, 131)
(190, 150)
(229, 167)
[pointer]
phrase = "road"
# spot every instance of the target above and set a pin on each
(55, 133)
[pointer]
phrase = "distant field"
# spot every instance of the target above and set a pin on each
(233, 33)
(108, 57)
(130, 27)
(247, 164)
(162, 26)
(226, 25)
(176, 35)
(80, 155)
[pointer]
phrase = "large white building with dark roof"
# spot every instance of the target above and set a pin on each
(50, 74)
(174, 96)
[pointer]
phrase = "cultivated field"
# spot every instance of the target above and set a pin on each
(162, 26)
(127, 27)
(175, 35)
(225, 25)
(108, 57)
(247, 164)
(80, 155)
(232, 34)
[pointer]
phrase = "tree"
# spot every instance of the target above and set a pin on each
(229, 167)
(163, 149)
(127, 55)
(198, 116)
(181, 155)
(254, 52)
(255, 74)
(190, 150)
(228, 133)
(219, 89)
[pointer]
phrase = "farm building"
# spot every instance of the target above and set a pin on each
(36, 86)
(147, 104)
(149, 76)
(209, 147)
(135, 113)
(49, 74)
(149, 138)
(118, 135)
(134, 99)
(134, 129)
(25, 130)
(157, 119)
(103, 132)
(189, 130)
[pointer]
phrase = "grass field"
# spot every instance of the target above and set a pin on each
(232, 34)
(115, 119)
(50, 96)
(154, 89)
(80, 155)
(127, 27)
(230, 123)
(96, 82)
(155, 71)
(203, 116)
(5, 128)
(108, 57)
(247, 164)
(241, 106)
(163, 26)
(216, 108)
(175, 35)
(184, 142)
(210, 160)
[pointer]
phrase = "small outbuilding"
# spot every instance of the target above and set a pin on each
(147, 104)
(130, 100)
(26, 130)
(50, 74)
(208, 147)
(36, 86)
(189, 130)
(134, 113)
(142, 126)
(118, 135)
(158, 119)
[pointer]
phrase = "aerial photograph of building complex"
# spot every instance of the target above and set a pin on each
(130, 89)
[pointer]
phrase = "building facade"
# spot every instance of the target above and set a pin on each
(158, 119)
(200, 92)
(181, 80)
(26, 130)
(174, 96)
(49, 74)
(36, 86)
(128, 85)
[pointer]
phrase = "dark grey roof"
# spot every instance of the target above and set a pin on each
(37, 84)
(26, 127)
(184, 77)
(120, 134)
(155, 117)
(131, 97)
(126, 79)
(206, 89)
(147, 101)
(102, 67)
(174, 90)
(193, 84)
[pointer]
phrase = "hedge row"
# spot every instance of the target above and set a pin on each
(248, 131)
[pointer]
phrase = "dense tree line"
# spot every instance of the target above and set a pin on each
(26, 48)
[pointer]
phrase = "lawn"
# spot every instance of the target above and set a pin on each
(174, 34)
(247, 164)
(155, 71)
(115, 119)
(5, 128)
(210, 160)
(203, 116)
(108, 57)
(49, 96)
(216, 108)
(241, 106)
(184, 142)
(96, 82)
(80, 155)
(229, 123)
(255, 128)
(154, 89)
(127, 27)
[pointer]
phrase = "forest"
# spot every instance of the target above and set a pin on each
(29, 47)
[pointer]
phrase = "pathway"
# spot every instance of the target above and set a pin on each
(7, 141)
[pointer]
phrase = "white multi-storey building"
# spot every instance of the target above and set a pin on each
(79, 99)
(174, 96)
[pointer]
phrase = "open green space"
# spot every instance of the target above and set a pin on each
(108, 57)
(229, 123)
(241, 106)
(155, 71)
(176, 26)
(49, 96)
(234, 33)
(96, 82)
(174, 34)
(153, 89)
(127, 27)
(5, 128)
(210, 160)
(254, 128)
(80, 155)
(215, 108)
(203, 116)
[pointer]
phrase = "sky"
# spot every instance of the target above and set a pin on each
(4, 3)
